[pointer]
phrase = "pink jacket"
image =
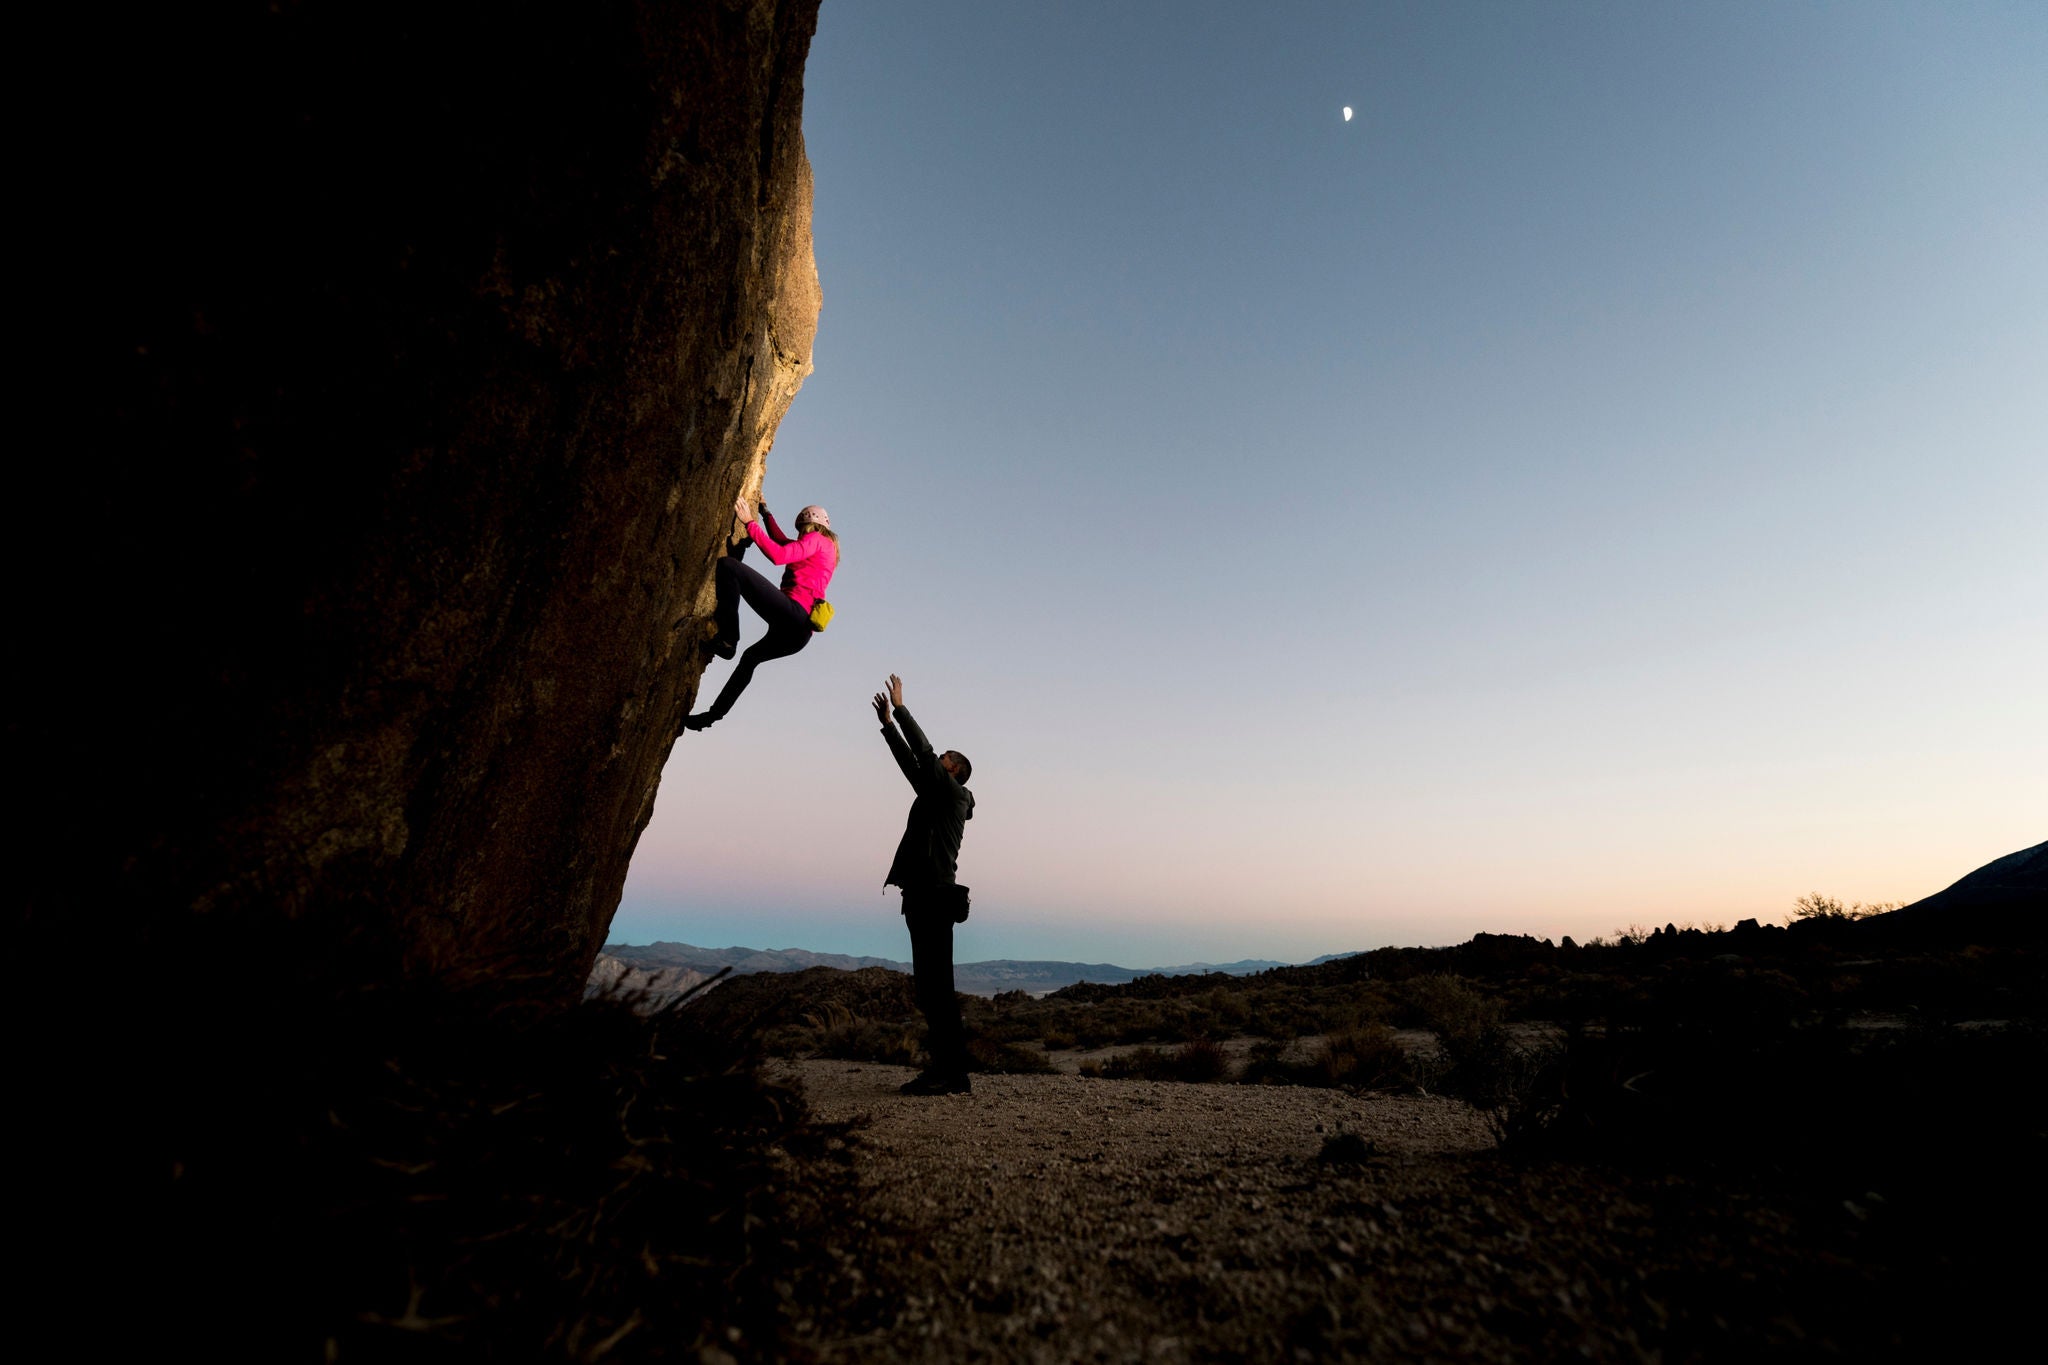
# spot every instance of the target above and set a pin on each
(807, 562)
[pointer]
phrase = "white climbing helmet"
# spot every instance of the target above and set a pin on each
(815, 515)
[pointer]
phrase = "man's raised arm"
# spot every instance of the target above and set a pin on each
(904, 759)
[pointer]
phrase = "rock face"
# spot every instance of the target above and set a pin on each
(433, 348)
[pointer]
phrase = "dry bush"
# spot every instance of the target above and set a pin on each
(837, 1032)
(1816, 906)
(1368, 1058)
(1519, 1092)
(1200, 1060)
(1348, 1149)
(989, 1057)
(1450, 1007)
(1141, 1064)
(1197, 1061)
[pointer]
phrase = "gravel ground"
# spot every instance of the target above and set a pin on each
(1067, 1219)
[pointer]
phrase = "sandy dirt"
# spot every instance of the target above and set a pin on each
(1070, 1219)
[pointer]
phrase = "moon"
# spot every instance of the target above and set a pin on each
(1347, 113)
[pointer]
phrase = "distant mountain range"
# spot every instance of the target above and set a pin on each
(665, 967)
(2005, 901)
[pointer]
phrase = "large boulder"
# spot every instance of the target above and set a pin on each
(428, 348)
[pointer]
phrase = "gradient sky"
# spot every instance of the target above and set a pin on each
(1604, 482)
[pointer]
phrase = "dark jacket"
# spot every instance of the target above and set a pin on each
(929, 852)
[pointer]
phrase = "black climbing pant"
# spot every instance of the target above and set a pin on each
(789, 626)
(930, 918)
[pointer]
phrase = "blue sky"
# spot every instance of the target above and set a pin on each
(1601, 482)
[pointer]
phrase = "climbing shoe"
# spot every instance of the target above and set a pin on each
(702, 720)
(723, 647)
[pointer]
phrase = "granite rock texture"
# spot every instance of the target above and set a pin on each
(431, 348)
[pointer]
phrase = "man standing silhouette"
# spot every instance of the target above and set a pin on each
(926, 859)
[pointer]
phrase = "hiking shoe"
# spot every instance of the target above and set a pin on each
(936, 1083)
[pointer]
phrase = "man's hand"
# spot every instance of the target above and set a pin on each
(739, 509)
(895, 690)
(881, 708)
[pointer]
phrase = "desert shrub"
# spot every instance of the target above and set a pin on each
(1111, 1020)
(1348, 1149)
(837, 1032)
(758, 1004)
(1817, 906)
(1282, 1004)
(1135, 1065)
(1176, 1022)
(1002, 1028)
(1368, 1058)
(991, 1057)
(834, 1030)
(1200, 1060)
(1192, 1022)
(1088, 1022)
(1450, 1007)
(1518, 1091)
(1473, 1052)
(1197, 1061)
(1142, 1064)
(1283, 1011)
(1280, 1020)
(1363, 1058)
(1264, 1066)
(1226, 1008)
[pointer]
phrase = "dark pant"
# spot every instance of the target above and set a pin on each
(789, 625)
(930, 918)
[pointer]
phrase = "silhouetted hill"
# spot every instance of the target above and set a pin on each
(2004, 901)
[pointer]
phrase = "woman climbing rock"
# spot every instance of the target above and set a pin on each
(808, 562)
